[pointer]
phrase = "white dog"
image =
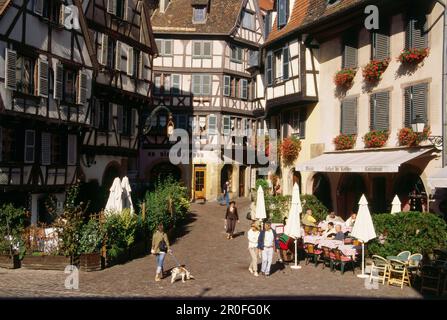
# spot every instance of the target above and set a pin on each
(180, 271)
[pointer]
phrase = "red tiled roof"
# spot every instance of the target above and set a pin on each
(4, 5)
(306, 12)
(266, 5)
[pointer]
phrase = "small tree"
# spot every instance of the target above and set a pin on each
(12, 224)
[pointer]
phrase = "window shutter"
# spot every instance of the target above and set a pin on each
(379, 104)
(350, 51)
(58, 81)
(416, 35)
(206, 85)
(381, 45)
(72, 150)
(196, 84)
(42, 83)
(104, 48)
(159, 44)
(119, 112)
(145, 72)
(175, 78)
(419, 97)
(128, 10)
(302, 123)
(212, 124)
(38, 7)
(46, 149)
(244, 88)
(30, 142)
(111, 117)
(267, 25)
(82, 87)
(133, 123)
(269, 71)
(10, 69)
(349, 116)
(207, 49)
(197, 48)
(111, 6)
(285, 63)
(227, 86)
(167, 47)
(119, 45)
(130, 71)
(282, 13)
(226, 125)
(408, 107)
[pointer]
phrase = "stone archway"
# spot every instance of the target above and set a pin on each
(226, 174)
(410, 189)
(321, 189)
(112, 171)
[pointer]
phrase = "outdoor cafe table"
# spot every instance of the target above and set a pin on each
(397, 258)
(347, 250)
(344, 228)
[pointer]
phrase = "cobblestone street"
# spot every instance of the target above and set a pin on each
(220, 267)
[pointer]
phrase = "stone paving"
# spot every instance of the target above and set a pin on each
(220, 267)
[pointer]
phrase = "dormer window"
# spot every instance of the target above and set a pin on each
(199, 14)
(283, 12)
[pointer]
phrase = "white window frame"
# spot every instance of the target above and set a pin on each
(202, 49)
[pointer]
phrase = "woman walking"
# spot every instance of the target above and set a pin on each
(231, 217)
(253, 237)
(160, 246)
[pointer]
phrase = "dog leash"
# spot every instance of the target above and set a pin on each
(178, 264)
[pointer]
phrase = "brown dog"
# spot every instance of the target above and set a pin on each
(180, 271)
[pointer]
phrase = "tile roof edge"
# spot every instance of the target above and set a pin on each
(5, 7)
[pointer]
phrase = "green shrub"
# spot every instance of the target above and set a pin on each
(120, 228)
(264, 184)
(413, 231)
(319, 210)
(91, 237)
(12, 224)
(167, 204)
(277, 207)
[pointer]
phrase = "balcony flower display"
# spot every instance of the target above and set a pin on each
(345, 77)
(374, 70)
(376, 138)
(407, 137)
(344, 141)
(413, 56)
(290, 149)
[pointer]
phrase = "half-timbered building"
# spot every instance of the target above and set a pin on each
(124, 47)
(45, 84)
(207, 77)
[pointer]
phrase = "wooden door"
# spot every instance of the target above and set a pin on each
(199, 183)
(242, 182)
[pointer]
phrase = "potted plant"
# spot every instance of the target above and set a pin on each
(12, 221)
(407, 137)
(90, 244)
(413, 56)
(374, 70)
(345, 77)
(376, 138)
(344, 141)
(290, 149)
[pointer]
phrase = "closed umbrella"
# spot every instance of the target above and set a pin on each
(293, 225)
(127, 199)
(115, 202)
(363, 229)
(260, 213)
(396, 205)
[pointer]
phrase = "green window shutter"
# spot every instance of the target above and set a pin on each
(350, 50)
(197, 49)
(226, 121)
(207, 49)
(227, 86)
(285, 63)
(244, 89)
(175, 84)
(269, 69)
(196, 88)
(212, 124)
(283, 9)
(419, 99)
(379, 106)
(416, 34)
(381, 45)
(206, 85)
(303, 118)
(349, 116)
(408, 107)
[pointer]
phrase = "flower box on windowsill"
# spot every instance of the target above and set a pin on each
(345, 77)
(376, 138)
(408, 138)
(413, 56)
(374, 70)
(344, 141)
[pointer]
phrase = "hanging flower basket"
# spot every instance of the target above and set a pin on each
(376, 138)
(345, 77)
(413, 56)
(290, 149)
(344, 141)
(408, 138)
(374, 70)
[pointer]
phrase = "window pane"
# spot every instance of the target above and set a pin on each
(206, 85)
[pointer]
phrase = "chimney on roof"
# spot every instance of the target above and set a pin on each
(163, 5)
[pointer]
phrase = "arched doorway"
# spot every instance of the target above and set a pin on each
(296, 178)
(225, 175)
(162, 171)
(349, 192)
(112, 171)
(321, 188)
(411, 191)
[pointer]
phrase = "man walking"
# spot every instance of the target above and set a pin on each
(226, 193)
(267, 243)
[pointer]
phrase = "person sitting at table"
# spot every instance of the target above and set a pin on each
(330, 231)
(350, 222)
(308, 219)
(339, 234)
(332, 217)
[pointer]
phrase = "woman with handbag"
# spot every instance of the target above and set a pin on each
(160, 246)
(231, 217)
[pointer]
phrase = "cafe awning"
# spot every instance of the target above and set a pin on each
(438, 179)
(362, 161)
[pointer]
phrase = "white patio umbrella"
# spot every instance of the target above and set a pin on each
(293, 225)
(260, 212)
(396, 205)
(363, 229)
(115, 202)
(127, 199)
